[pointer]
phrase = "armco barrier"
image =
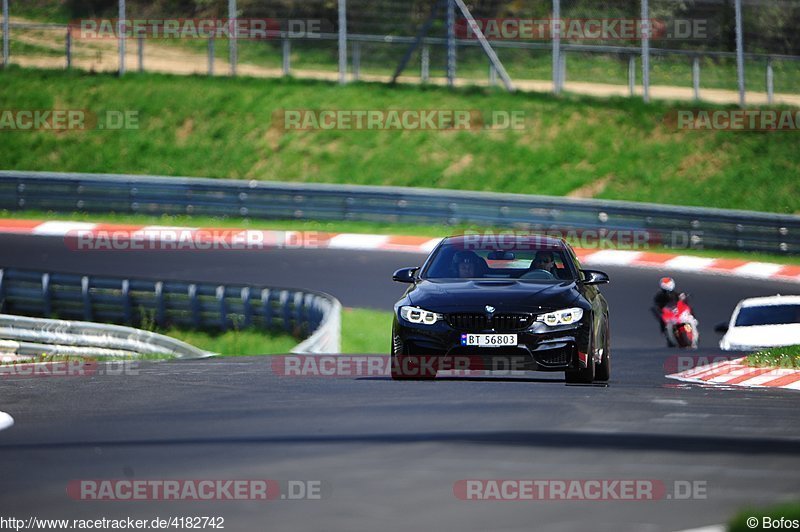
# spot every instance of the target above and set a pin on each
(672, 226)
(202, 306)
(27, 336)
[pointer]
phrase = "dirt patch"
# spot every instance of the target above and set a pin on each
(590, 190)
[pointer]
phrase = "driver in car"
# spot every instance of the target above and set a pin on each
(466, 264)
(544, 261)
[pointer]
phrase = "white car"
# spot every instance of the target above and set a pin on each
(761, 323)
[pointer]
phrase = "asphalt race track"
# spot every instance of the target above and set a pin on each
(389, 454)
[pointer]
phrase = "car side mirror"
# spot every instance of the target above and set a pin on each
(721, 327)
(404, 275)
(595, 277)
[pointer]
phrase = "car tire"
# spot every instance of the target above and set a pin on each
(603, 369)
(581, 376)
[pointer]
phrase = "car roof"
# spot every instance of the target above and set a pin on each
(770, 300)
(506, 240)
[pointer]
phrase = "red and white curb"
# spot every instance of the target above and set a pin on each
(99, 236)
(737, 373)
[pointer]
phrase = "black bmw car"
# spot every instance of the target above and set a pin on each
(500, 302)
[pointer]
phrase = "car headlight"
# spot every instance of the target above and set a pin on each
(567, 316)
(419, 315)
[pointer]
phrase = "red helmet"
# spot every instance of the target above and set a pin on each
(667, 283)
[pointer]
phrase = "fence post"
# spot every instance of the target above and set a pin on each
(492, 74)
(451, 43)
(645, 51)
(121, 29)
(342, 42)
(770, 82)
(211, 53)
(266, 308)
(194, 305)
(5, 33)
(739, 51)
(562, 70)
(631, 74)
(696, 76)
(140, 51)
(68, 46)
(127, 310)
(555, 35)
(233, 42)
(286, 49)
(356, 60)
(160, 309)
(425, 66)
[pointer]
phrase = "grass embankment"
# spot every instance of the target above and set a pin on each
(194, 126)
(780, 357)
(363, 331)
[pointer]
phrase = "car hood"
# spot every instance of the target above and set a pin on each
(504, 295)
(757, 336)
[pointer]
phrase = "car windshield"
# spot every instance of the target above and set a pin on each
(454, 261)
(768, 315)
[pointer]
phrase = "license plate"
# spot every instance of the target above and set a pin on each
(489, 340)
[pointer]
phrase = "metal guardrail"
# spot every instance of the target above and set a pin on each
(33, 336)
(202, 306)
(672, 226)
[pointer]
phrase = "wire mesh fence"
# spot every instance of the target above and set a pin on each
(682, 48)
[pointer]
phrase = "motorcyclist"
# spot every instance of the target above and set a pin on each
(667, 297)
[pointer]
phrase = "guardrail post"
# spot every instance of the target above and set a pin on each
(770, 86)
(297, 308)
(286, 49)
(68, 47)
(223, 309)
(266, 308)
(47, 304)
(696, 76)
(194, 305)
(247, 311)
(160, 311)
(86, 298)
(286, 315)
(127, 307)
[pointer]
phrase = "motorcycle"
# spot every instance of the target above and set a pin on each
(680, 325)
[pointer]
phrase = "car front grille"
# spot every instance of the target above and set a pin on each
(502, 322)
